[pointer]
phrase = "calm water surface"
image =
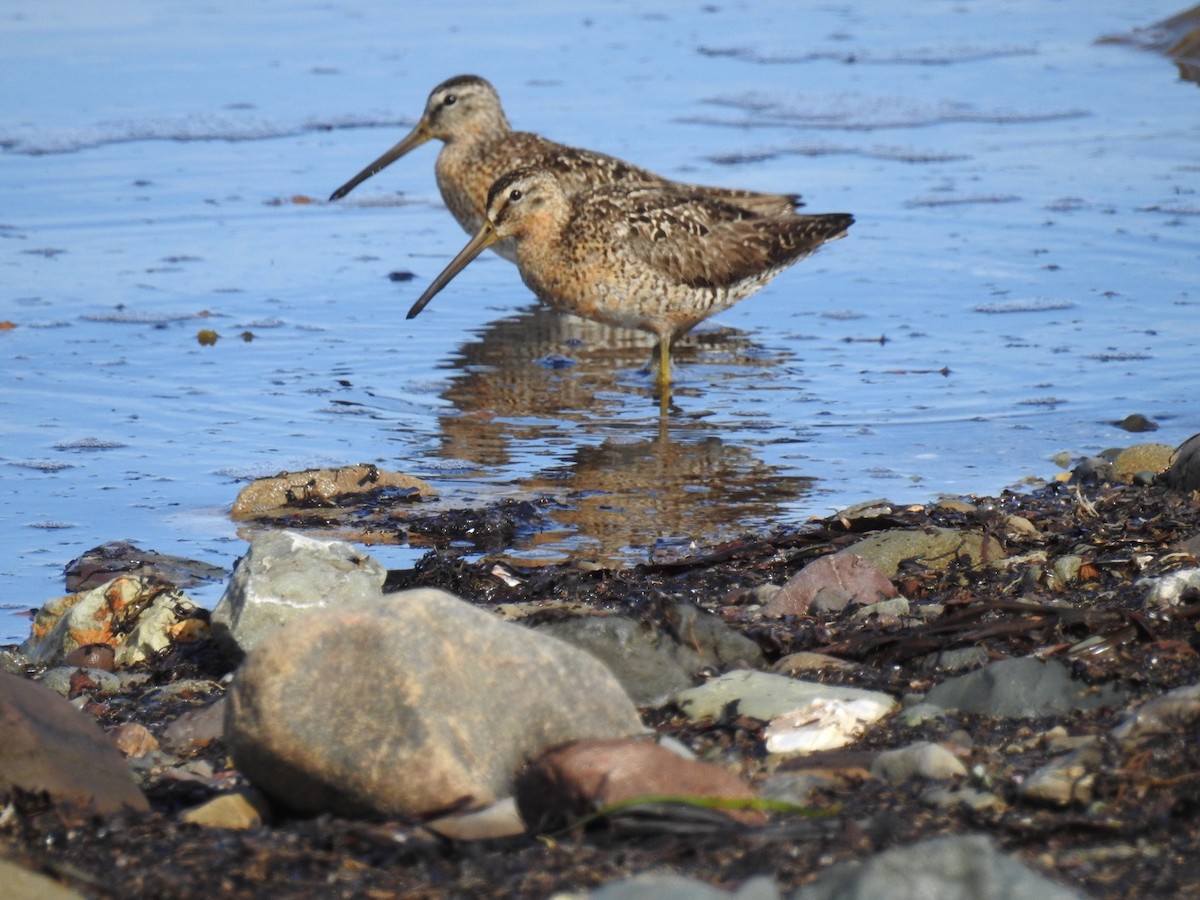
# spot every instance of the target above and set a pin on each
(1023, 270)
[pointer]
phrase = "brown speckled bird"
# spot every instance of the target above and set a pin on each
(480, 146)
(658, 258)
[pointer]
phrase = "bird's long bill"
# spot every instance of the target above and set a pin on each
(484, 239)
(415, 138)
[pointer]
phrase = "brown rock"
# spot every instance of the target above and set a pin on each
(414, 704)
(195, 728)
(50, 746)
(571, 781)
(292, 491)
(133, 739)
(241, 809)
(858, 579)
(93, 656)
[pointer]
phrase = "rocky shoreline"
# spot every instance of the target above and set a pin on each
(976, 697)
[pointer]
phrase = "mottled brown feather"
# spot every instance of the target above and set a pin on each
(479, 146)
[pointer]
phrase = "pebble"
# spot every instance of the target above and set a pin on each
(823, 724)
(923, 759)
(285, 576)
(71, 681)
(1171, 589)
(409, 705)
(762, 695)
(93, 656)
(241, 809)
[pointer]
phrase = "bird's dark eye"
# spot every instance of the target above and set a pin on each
(450, 100)
(515, 194)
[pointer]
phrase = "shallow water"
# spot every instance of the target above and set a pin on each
(1021, 274)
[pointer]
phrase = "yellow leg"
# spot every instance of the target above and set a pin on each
(664, 365)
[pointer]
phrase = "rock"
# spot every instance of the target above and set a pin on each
(499, 820)
(942, 797)
(1064, 572)
(1136, 423)
(1092, 470)
(1069, 779)
(71, 681)
(808, 661)
(1173, 712)
(948, 868)
(50, 746)
(138, 617)
(565, 783)
(20, 882)
(1152, 458)
(920, 760)
(761, 695)
(133, 740)
(1184, 472)
(1020, 689)
(853, 577)
(92, 656)
(102, 564)
(285, 576)
(668, 886)
(319, 489)
(823, 724)
(195, 728)
(1172, 589)
(12, 662)
(955, 660)
(246, 808)
(652, 664)
(934, 548)
(410, 705)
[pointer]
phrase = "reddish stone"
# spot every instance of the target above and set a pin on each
(570, 781)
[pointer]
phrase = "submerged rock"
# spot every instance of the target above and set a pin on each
(410, 705)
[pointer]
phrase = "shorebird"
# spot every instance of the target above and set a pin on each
(480, 146)
(658, 258)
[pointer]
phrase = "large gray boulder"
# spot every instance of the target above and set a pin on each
(410, 705)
